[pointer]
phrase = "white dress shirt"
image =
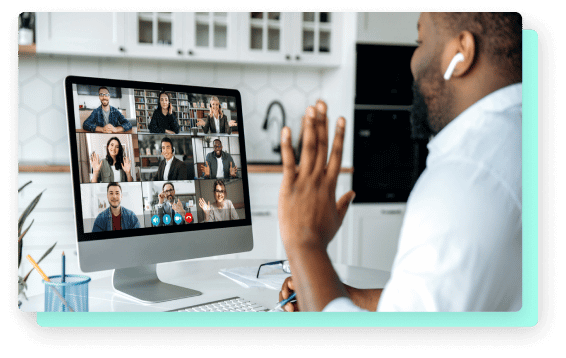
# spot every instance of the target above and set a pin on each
(220, 170)
(460, 245)
(217, 122)
(167, 168)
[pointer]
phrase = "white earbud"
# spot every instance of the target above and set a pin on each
(457, 58)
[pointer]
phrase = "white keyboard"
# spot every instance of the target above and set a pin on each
(234, 304)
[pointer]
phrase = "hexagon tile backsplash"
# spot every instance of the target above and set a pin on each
(42, 129)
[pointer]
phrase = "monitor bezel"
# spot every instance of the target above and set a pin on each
(149, 231)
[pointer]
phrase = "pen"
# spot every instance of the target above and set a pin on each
(63, 267)
(284, 302)
(46, 279)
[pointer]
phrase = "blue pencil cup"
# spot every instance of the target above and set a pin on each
(74, 291)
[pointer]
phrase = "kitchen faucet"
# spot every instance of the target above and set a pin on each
(277, 148)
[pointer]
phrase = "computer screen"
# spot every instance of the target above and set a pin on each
(159, 175)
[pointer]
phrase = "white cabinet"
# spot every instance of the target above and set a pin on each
(376, 228)
(317, 36)
(211, 36)
(311, 38)
(387, 28)
(80, 33)
(154, 34)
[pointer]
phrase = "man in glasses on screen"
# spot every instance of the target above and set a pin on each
(170, 205)
(106, 119)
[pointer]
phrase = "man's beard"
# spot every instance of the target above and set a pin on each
(420, 126)
(431, 105)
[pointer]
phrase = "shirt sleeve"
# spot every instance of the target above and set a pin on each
(123, 121)
(90, 123)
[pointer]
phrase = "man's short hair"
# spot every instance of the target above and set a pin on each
(498, 36)
(113, 184)
(165, 139)
(173, 186)
(217, 140)
(101, 88)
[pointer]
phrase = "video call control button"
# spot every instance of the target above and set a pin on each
(178, 219)
(155, 220)
(166, 219)
(188, 218)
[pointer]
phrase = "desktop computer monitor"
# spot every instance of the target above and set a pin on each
(159, 175)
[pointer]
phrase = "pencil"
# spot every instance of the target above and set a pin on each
(46, 279)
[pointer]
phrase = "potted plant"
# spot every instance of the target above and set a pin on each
(22, 285)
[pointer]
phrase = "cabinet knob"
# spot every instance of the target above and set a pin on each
(297, 57)
(190, 52)
(288, 57)
(122, 49)
(180, 52)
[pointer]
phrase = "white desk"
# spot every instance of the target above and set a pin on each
(202, 275)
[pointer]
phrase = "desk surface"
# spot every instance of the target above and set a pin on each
(202, 275)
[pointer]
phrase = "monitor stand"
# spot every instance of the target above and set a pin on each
(142, 283)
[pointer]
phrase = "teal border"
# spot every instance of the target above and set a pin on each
(526, 317)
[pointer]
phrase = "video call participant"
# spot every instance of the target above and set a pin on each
(222, 209)
(170, 205)
(216, 121)
(116, 217)
(164, 120)
(171, 168)
(115, 167)
(106, 119)
(219, 164)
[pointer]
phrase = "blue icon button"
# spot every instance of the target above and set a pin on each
(155, 220)
(166, 219)
(178, 219)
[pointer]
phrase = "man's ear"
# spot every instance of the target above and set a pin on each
(464, 44)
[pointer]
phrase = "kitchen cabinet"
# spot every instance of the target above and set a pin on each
(211, 36)
(185, 36)
(80, 33)
(153, 34)
(291, 38)
(376, 228)
(311, 38)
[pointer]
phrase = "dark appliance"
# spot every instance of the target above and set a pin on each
(387, 159)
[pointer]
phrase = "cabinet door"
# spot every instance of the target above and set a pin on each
(80, 33)
(317, 38)
(154, 35)
(265, 37)
(376, 229)
(211, 36)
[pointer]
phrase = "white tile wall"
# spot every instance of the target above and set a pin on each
(42, 134)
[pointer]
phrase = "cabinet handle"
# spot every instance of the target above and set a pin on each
(288, 57)
(180, 52)
(261, 213)
(298, 57)
(391, 212)
(122, 49)
(190, 52)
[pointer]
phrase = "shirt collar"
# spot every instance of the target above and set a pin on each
(454, 134)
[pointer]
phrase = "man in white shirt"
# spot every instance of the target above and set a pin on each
(171, 168)
(460, 244)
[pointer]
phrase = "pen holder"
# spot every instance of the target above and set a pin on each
(74, 291)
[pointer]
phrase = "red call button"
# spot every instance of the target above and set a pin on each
(188, 217)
